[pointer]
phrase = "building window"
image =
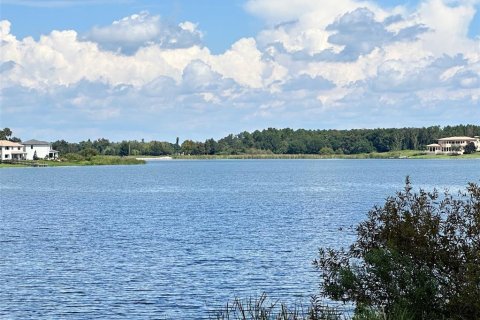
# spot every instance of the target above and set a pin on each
(7, 148)
(6, 156)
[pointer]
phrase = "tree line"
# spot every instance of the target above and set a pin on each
(280, 141)
(277, 141)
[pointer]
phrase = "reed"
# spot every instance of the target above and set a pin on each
(262, 308)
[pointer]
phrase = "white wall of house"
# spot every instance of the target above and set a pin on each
(10, 152)
(6, 153)
(42, 151)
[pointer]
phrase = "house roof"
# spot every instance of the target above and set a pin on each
(36, 142)
(6, 143)
(433, 145)
(457, 138)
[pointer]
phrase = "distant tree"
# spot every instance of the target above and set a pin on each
(177, 145)
(124, 149)
(418, 254)
(188, 147)
(210, 146)
(85, 144)
(88, 153)
(296, 146)
(246, 139)
(63, 147)
(101, 144)
(35, 157)
(5, 133)
(470, 148)
(109, 151)
(158, 148)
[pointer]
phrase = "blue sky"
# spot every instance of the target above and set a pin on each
(136, 69)
(223, 22)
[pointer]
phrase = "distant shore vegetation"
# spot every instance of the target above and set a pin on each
(270, 142)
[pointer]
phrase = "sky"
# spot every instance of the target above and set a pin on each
(157, 70)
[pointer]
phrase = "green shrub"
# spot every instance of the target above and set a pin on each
(415, 257)
(73, 157)
(326, 150)
(470, 148)
(88, 153)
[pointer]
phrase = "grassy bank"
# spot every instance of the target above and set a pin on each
(8, 165)
(404, 154)
(93, 161)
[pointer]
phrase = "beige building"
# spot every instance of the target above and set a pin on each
(452, 145)
(12, 150)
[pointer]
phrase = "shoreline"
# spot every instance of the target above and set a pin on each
(134, 160)
(396, 155)
(94, 161)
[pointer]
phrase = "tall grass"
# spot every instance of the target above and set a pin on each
(402, 154)
(262, 308)
(113, 160)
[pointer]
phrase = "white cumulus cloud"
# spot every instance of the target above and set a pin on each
(143, 29)
(342, 63)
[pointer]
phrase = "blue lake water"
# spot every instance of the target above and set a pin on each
(174, 239)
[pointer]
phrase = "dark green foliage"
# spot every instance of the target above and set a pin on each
(211, 146)
(418, 255)
(35, 157)
(101, 145)
(470, 148)
(88, 153)
(160, 148)
(63, 147)
(124, 149)
(176, 146)
(5, 133)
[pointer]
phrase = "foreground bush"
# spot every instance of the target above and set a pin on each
(415, 257)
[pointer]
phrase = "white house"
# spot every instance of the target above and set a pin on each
(43, 150)
(12, 150)
(451, 145)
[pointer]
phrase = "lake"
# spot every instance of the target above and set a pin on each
(174, 239)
